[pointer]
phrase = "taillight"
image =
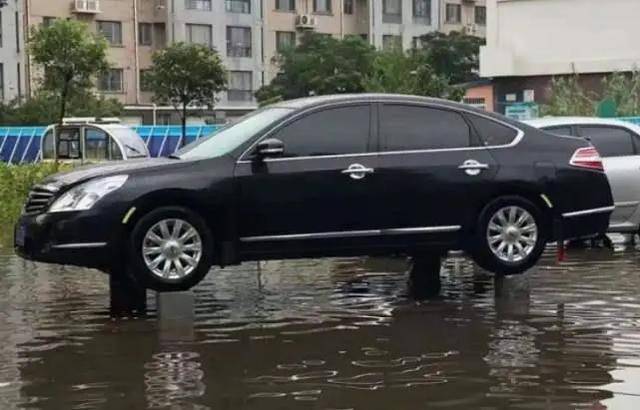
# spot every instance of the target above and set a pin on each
(587, 157)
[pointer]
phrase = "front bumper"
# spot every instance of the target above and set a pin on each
(69, 238)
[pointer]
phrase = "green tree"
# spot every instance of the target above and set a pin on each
(454, 55)
(320, 65)
(624, 90)
(70, 57)
(567, 98)
(42, 108)
(395, 71)
(184, 75)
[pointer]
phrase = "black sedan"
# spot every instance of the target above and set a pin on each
(325, 176)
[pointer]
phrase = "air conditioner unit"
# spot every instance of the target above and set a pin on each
(305, 22)
(86, 6)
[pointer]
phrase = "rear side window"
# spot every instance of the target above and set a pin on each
(562, 131)
(406, 127)
(609, 141)
(335, 131)
(493, 133)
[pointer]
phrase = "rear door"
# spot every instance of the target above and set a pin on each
(433, 167)
(621, 161)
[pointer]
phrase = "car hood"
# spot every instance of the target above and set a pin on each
(87, 172)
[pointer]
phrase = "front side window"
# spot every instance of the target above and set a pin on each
(240, 86)
(453, 14)
(234, 135)
(334, 131)
(491, 132)
(238, 6)
(111, 80)
(406, 128)
(202, 5)
(286, 5)
(199, 34)
(609, 141)
(391, 11)
(111, 31)
(69, 143)
(238, 41)
(322, 6)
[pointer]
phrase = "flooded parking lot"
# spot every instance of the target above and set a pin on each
(330, 334)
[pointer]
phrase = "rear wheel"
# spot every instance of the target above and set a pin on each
(170, 249)
(510, 236)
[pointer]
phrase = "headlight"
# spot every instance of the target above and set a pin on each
(84, 196)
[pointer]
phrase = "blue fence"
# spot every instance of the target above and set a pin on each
(22, 144)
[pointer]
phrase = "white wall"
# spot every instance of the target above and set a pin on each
(542, 37)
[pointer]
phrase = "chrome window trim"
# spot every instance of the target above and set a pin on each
(352, 234)
(516, 140)
(80, 245)
(589, 211)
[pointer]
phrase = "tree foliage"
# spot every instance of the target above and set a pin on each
(319, 65)
(184, 75)
(70, 56)
(395, 71)
(454, 55)
(42, 108)
(624, 90)
(568, 97)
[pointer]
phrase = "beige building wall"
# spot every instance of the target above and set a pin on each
(336, 23)
(469, 10)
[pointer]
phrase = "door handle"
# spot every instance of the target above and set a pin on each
(357, 171)
(473, 167)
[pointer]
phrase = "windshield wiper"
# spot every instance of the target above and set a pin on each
(134, 149)
(174, 156)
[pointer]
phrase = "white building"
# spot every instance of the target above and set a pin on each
(12, 78)
(530, 41)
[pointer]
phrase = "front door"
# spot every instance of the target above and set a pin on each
(622, 165)
(321, 187)
(436, 172)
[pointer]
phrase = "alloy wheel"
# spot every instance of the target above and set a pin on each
(512, 234)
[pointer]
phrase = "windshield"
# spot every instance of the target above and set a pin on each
(132, 143)
(233, 135)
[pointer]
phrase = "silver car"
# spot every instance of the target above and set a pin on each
(618, 143)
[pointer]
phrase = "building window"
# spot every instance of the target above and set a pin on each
(284, 40)
(112, 31)
(145, 34)
(348, 7)
(286, 5)
(238, 6)
(2, 81)
(47, 21)
(199, 34)
(481, 15)
(202, 5)
(17, 22)
(391, 42)
(238, 41)
(19, 83)
(111, 80)
(391, 11)
(1, 29)
(144, 81)
(453, 14)
(422, 10)
(240, 86)
(159, 34)
(322, 6)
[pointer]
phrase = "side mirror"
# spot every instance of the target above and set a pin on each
(271, 147)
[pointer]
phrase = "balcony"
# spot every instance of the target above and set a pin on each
(86, 6)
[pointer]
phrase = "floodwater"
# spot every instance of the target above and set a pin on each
(330, 334)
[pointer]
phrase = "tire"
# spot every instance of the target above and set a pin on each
(187, 265)
(488, 253)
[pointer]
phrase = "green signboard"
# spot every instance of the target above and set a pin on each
(522, 111)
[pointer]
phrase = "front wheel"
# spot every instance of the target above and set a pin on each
(170, 249)
(510, 236)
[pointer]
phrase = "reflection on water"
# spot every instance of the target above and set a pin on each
(331, 334)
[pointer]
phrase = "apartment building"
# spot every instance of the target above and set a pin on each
(286, 20)
(530, 42)
(396, 23)
(135, 29)
(12, 69)
(468, 16)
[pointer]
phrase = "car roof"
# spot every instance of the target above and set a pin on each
(558, 121)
